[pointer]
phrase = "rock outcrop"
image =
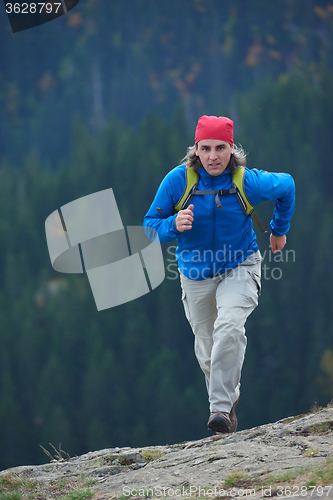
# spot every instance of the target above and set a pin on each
(290, 458)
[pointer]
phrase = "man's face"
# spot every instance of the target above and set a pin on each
(214, 155)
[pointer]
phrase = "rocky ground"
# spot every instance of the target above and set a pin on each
(290, 458)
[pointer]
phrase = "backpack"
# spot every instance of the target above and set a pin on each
(192, 179)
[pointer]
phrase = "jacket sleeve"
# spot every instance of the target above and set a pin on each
(261, 185)
(163, 220)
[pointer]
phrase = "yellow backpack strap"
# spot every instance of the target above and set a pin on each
(238, 181)
(247, 207)
(191, 182)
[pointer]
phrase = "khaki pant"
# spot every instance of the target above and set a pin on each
(217, 309)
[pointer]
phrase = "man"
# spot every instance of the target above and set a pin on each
(217, 253)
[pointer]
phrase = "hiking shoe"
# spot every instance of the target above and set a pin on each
(233, 418)
(222, 422)
(219, 421)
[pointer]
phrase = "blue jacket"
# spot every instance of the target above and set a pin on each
(220, 239)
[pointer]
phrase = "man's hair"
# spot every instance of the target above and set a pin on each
(238, 157)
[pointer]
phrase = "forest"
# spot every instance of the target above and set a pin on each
(108, 96)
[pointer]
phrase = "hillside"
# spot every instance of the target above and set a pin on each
(124, 59)
(289, 458)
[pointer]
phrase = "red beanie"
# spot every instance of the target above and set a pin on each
(215, 127)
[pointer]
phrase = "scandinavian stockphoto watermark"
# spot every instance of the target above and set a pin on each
(87, 236)
(124, 263)
(209, 262)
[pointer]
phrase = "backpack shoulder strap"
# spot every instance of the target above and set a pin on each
(247, 207)
(191, 182)
(238, 182)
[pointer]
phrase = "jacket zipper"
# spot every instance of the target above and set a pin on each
(213, 229)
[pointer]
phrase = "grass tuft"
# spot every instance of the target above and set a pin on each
(10, 482)
(150, 455)
(82, 494)
(320, 428)
(234, 479)
(310, 452)
(323, 474)
(13, 488)
(315, 408)
(10, 496)
(58, 454)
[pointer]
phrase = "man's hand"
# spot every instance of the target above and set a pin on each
(277, 242)
(184, 219)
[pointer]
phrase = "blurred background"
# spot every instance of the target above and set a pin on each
(108, 96)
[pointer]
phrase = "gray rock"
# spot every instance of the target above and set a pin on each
(251, 463)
